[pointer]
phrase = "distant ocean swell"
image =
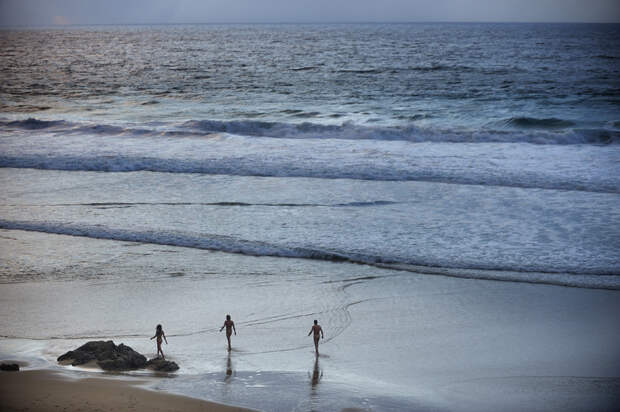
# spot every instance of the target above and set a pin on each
(605, 279)
(511, 130)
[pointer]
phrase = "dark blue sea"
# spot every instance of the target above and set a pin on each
(242, 154)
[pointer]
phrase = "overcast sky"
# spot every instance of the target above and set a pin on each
(46, 12)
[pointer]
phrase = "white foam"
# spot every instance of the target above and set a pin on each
(564, 167)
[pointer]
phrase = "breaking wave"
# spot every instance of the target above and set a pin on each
(282, 168)
(412, 133)
(248, 148)
(34, 124)
(532, 122)
(229, 244)
(528, 130)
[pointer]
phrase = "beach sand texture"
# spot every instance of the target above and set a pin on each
(50, 391)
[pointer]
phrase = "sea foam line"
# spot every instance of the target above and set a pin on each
(230, 244)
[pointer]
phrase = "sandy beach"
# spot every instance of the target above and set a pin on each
(41, 390)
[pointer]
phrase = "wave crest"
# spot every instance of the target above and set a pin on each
(527, 130)
(603, 280)
(279, 168)
(532, 122)
(35, 124)
(414, 134)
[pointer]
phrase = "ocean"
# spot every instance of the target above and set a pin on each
(175, 173)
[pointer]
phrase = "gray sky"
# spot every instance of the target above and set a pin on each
(46, 12)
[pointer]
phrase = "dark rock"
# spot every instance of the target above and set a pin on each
(13, 367)
(114, 365)
(162, 365)
(107, 354)
(77, 357)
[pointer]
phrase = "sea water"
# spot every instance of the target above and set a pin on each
(172, 174)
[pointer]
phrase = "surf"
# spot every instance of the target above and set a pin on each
(548, 131)
(596, 279)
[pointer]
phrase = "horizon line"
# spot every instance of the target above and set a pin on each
(51, 25)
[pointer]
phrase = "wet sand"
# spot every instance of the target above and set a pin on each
(50, 391)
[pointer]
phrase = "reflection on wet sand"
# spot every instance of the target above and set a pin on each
(317, 374)
(229, 369)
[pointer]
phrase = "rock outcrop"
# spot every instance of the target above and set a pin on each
(13, 367)
(107, 355)
(161, 365)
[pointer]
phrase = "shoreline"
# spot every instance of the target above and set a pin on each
(42, 390)
(459, 345)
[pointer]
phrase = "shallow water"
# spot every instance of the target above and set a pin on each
(548, 236)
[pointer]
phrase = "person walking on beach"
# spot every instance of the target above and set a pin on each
(317, 330)
(159, 333)
(230, 327)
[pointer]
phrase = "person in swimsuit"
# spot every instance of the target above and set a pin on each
(230, 327)
(159, 333)
(317, 330)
